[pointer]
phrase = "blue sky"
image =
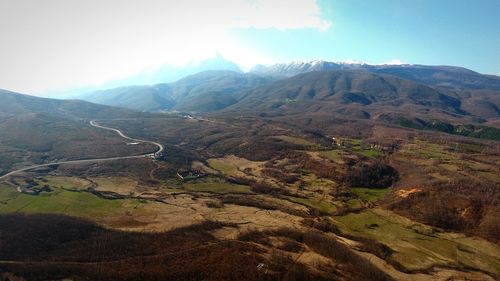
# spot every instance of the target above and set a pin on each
(53, 45)
(461, 33)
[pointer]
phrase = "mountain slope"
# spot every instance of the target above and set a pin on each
(442, 76)
(358, 93)
(332, 91)
(205, 91)
(142, 98)
(18, 104)
(40, 130)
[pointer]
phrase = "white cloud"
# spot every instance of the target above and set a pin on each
(281, 14)
(54, 44)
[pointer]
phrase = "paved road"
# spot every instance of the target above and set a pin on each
(93, 124)
(160, 147)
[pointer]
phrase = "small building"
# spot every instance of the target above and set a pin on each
(335, 142)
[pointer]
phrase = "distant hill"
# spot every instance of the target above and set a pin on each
(320, 96)
(141, 98)
(37, 130)
(164, 74)
(347, 91)
(205, 91)
(19, 104)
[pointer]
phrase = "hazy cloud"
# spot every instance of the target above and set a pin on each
(53, 44)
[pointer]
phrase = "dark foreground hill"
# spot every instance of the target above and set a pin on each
(51, 247)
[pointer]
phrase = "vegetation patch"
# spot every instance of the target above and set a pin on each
(48, 247)
(370, 152)
(60, 201)
(236, 167)
(357, 146)
(121, 185)
(334, 155)
(217, 187)
(321, 205)
(66, 182)
(468, 130)
(297, 141)
(370, 194)
(416, 246)
(221, 166)
(354, 203)
(449, 167)
(427, 150)
(372, 175)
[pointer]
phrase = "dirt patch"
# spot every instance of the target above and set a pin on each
(404, 193)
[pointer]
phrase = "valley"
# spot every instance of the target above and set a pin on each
(356, 173)
(249, 140)
(292, 199)
(93, 124)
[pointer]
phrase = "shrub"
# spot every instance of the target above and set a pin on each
(371, 175)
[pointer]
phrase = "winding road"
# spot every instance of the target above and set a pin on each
(93, 124)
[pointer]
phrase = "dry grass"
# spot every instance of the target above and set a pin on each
(120, 185)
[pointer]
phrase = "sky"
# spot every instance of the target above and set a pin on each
(55, 45)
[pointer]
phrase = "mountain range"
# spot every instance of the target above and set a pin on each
(413, 96)
(359, 90)
(442, 76)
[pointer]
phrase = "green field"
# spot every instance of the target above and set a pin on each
(323, 206)
(221, 166)
(313, 182)
(297, 141)
(369, 194)
(428, 150)
(369, 152)
(358, 147)
(449, 167)
(65, 182)
(334, 155)
(351, 142)
(59, 201)
(354, 203)
(417, 246)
